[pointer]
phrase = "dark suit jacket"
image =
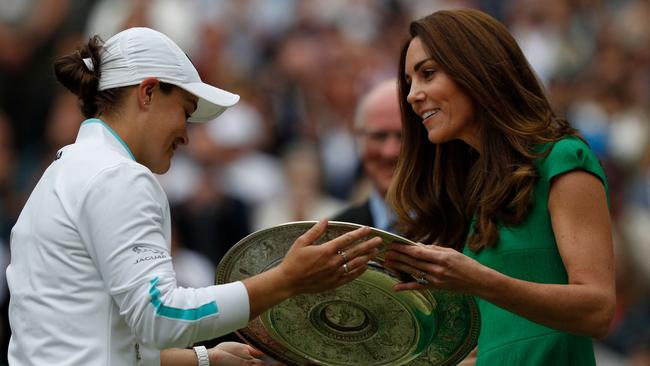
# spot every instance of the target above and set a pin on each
(358, 214)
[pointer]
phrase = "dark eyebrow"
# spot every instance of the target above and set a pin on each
(418, 65)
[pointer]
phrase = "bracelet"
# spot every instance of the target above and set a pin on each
(202, 355)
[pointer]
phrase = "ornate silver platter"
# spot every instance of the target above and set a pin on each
(363, 322)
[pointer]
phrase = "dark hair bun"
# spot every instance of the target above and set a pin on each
(71, 71)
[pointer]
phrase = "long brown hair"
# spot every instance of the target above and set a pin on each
(438, 188)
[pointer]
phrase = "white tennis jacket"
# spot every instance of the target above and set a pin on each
(91, 277)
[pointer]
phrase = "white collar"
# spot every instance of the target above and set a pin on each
(94, 128)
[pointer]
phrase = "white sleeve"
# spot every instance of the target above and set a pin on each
(124, 222)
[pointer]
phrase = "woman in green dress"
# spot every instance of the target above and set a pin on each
(488, 169)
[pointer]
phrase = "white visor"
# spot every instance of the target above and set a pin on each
(212, 101)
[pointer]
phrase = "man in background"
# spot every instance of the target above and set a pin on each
(378, 131)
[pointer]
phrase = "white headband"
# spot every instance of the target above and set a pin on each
(89, 64)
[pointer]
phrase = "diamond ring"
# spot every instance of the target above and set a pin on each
(420, 280)
(342, 254)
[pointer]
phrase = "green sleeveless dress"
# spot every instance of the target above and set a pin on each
(529, 252)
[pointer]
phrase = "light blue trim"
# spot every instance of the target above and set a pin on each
(97, 120)
(202, 311)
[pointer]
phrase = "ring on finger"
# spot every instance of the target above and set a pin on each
(420, 280)
(346, 268)
(342, 254)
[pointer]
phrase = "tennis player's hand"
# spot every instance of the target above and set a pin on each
(309, 268)
(235, 354)
(312, 268)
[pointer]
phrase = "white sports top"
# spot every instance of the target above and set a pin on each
(91, 278)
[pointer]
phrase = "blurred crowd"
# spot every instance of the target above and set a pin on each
(286, 152)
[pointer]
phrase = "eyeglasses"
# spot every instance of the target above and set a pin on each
(379, 136)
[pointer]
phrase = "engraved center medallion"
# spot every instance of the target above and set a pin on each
(343, 320)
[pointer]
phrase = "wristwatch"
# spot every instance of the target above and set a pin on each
(202, 355)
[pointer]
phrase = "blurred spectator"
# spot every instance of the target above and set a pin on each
(207, 220)
(216, 184)
(630, 331)
(5, 330)
(378, 132)
(31, 33)
(10, 203)
(304, 198)
(245, 172)
(193, 269)
(175, 18)
(634, 222)
(61, 127)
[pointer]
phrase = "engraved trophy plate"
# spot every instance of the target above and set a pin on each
(363, 322)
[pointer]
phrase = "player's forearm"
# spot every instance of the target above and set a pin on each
(177, 357)
(266, 290)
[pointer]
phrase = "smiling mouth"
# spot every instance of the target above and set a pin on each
(430, 113)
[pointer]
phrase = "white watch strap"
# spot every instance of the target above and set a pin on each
(202, 356)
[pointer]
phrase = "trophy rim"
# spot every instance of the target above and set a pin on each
(259, 336)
